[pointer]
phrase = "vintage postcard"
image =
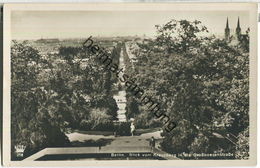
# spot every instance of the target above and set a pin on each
(120, 84)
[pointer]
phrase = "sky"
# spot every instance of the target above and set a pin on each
(82, 24)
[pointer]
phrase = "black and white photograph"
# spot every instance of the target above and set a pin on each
(163, 83)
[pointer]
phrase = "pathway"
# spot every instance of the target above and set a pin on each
(120, 145)
(120, 97)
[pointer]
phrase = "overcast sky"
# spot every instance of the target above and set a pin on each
(82, 24)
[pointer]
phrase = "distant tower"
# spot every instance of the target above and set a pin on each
(238, 29)
(227, 32)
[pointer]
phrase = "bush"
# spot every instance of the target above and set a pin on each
(122, 128)
(104, 126)
(200, 144)
(85, 125)
(179, 139)
(242, 149)
(143, 121)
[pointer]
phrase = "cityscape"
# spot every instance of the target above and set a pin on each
(68, 104)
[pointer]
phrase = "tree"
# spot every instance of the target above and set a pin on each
(242, 150)
(33, 124)
(199, 80)
(99, 117)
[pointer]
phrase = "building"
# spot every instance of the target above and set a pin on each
(51, 40)
(234, 36)
(227, 31)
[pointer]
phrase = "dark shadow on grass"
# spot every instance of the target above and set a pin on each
(92, 143)
(105, 133)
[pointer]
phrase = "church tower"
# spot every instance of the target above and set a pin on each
(227, 32)
(238, 29)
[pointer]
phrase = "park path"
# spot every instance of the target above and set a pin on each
(120, 97)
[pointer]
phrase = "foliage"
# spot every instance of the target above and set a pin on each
(200, 144)
(49, 94)
(98, 116)
(201, 81)
(35, 123)
(131, 107)
(242, 149)
(122, 128)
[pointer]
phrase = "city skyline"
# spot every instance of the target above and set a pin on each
(80, 24)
